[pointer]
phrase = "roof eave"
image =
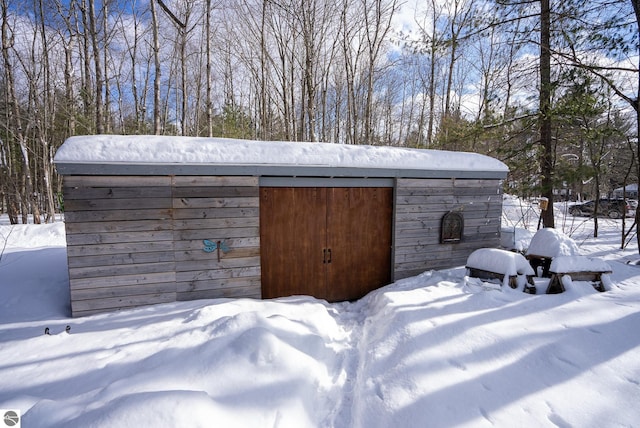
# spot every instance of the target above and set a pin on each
(84, 168)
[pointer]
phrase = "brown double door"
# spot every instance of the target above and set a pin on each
(328, 242)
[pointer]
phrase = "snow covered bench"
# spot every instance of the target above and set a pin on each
(547, 244)
(507, 266)
(578, 268)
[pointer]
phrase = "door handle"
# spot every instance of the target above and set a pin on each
(326, 255)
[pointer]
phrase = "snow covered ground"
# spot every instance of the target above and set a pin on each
(434, 350)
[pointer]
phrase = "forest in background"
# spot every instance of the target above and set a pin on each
(549, 87)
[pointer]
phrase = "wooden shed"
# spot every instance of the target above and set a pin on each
(159, 219)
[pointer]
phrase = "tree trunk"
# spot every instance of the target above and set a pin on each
(546, 156)
(208, 68)
(29, 203)
(97, 67)
(106, 112)
(48, 112)
(183, 81)
(432, 78)
(637, 9)
(157, 71)
(85, 90)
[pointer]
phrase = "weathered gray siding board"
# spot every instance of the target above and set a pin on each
(120, 259)
(448, 202)
(479, 210)
(86, 301)
(224, 263)
(245, 291)
(443, 259)
(114, 182)
(444, 254)
(215, 223)
(202, 213)
(235, 202)
(425, 246)
(197, 245)
(122, 280)
(214, 192)
(219, 209)
(473, 222)
(229, 232)
(219, 284)
(116, 248)
(117, 270)
(325, 181)
(115, 237)
(118, 193)
(139, 240)
(129, 284)
(423, 221)
(119, 242)
(184, 182)
(446, 183)
(216, 282)
(420, 206)
(100, 305)
(118, 215)
(432, 237)
(199, 255)
(139, 203)
(123, 291)
(106, 227)
(220, 273)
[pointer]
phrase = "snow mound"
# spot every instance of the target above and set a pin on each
(500, 261)
(549, 242)
(23, 236)
(569, 264)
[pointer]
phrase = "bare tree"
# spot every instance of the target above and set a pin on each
(15, 125)
(546, 159)
(157, 70)
(99, 83)
(378, 16)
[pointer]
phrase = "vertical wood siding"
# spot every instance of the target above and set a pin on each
(420, 206)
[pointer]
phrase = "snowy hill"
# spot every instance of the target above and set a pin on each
(434, 350)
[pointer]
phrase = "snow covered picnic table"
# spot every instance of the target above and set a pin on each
(559, 257)
(547, 244)
(556, 253)
(577, 268)
(507, 266)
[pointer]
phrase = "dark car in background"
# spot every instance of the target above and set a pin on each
(612, 208)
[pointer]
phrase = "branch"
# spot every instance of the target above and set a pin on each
(171, 15)
(513, 119)
(573, 57)
(633, 102)
(595, 70)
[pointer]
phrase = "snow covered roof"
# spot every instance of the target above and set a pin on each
(150, 155)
